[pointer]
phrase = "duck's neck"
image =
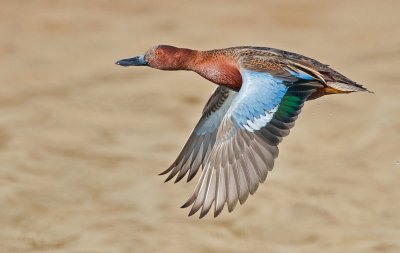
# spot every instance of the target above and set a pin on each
(216, 67)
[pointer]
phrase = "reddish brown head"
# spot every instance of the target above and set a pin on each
(161, 57)
(168, 57)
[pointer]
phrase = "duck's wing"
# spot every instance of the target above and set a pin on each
(261, 114)
(201, 141)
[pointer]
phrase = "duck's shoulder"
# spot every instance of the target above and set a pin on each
(255, 58)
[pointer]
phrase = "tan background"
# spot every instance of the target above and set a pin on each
(82, 140)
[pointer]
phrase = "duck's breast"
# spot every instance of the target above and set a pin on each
(221, 70)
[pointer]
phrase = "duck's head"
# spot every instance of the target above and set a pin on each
(160, 57)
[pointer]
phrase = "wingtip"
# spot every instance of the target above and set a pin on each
(188, 202)
(170, 176)
(165, 171)
(185, 205)
(179, 177)
(203, 213)
(167, 179)
(231, 206)
(192, 211)
(191, 176)
(217, 212)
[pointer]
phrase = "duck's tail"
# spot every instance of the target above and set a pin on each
(337, 88)
(345, 88)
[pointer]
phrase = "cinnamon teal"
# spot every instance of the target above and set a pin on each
(260, 94)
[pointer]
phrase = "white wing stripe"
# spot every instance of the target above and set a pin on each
(258, 123)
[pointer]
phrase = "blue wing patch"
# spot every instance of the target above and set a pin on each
(258, 99)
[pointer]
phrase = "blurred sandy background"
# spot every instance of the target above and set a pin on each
(82, 140)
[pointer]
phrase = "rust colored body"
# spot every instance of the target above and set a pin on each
(219, 69)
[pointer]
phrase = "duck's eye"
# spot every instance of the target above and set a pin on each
(157, 53)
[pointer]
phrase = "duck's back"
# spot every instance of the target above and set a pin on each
(327, 75)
